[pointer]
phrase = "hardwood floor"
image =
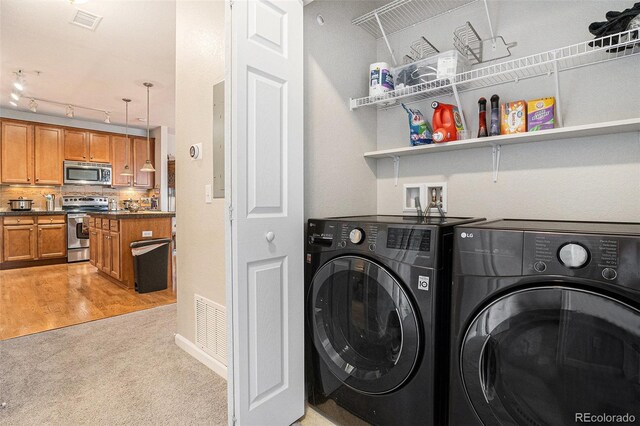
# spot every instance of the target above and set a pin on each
(46, 297)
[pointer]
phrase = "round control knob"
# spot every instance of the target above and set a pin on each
(342, 244)
(356, 236)
(573, 255)
(372, 247)
(540, 266)
(609, 274)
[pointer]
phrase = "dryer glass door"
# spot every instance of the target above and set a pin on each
(364, 326)
(553, 356)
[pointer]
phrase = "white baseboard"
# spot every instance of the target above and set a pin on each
(190, 348)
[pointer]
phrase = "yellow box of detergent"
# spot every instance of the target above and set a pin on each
(541, 114)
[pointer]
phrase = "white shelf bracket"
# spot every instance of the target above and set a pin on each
(495, 156)
(556, 76)
(493, 37)
(386, 40)
(396, 168)
(455, 94)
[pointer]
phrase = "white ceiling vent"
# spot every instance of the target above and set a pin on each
(86, 20)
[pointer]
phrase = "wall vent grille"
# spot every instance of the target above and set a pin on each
(86, 20)
(211, 328)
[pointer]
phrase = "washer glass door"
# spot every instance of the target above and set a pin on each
(364, 325)
(552, 356)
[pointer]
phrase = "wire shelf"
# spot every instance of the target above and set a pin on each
(604, 49)
(400, 14)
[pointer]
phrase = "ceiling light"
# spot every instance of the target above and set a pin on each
(33, 105)
(126, 171)
(148, 167)
(69, 112)
(15, 96)
(107, 118)
(19, 83)
(13, 103)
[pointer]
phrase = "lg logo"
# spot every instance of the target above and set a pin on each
(465, 235)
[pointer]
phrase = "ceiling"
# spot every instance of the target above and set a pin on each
(133, 43)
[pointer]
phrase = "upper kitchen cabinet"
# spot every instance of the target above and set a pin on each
(142, 179)
(86, 146)
(76, 145)
(17, 153)
(120, 156)
(99, 148)
(48, 155)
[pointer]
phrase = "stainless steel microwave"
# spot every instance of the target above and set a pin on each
(80, 173)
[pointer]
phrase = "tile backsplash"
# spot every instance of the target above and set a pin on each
(35, 193)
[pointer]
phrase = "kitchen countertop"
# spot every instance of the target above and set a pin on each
(123, 214)
(31, 213)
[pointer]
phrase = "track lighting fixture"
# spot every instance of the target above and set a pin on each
(13, 103)
(107, 118)
(33, 105)
(15, 96)
(69, 112)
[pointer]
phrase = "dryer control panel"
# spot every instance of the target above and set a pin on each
(596, 257)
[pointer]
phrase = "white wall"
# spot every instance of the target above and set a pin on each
(200, 226)
(338, 180)
(589, 179)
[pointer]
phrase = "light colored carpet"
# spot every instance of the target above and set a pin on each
(117, 371)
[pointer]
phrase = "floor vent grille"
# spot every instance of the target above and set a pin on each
(211, 328)
(86, 20)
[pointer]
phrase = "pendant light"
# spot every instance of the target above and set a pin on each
(126, 171)
(148, 167)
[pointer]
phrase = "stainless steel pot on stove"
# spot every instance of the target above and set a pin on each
(20, 204)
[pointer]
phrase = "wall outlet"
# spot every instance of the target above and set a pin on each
(411, 192)
(147, 234)
(208, 194)
(439, 190)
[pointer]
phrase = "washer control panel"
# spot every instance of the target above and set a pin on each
(404, 243)
(596, 257)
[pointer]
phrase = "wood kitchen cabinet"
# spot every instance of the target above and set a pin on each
(120, 155)
(52, 241)
(80, 145)
(17, 153)
(48, 155)
(76, 146)
(93, 245)
(139, 150)
(99, 148)
(19, 242)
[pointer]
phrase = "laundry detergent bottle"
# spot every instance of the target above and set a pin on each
(446, 122)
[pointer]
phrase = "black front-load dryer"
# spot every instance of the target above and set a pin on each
(546, 323)
(377, 310)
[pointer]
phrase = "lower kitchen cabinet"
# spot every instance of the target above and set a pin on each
(104, 247)
(30, 238)
(19, 242)
(52, 241)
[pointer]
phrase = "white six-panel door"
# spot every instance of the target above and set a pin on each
(265, 290)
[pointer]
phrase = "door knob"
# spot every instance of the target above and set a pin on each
(270, 236)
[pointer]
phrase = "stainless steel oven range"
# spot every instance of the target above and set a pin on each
(77, 208)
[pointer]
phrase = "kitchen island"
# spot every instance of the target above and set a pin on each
(111, 233)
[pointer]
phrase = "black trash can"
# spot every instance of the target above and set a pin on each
(150, 264)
